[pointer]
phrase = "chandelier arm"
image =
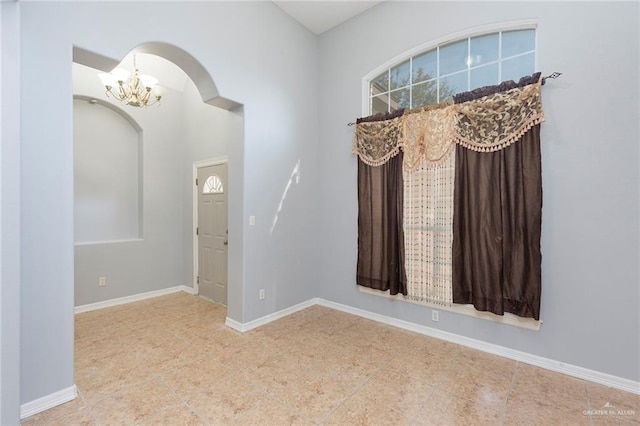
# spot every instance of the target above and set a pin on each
(155, 102)
(144, 97)
(124, 93)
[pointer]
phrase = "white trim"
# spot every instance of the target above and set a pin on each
(432, 44)
(49, 401)
(242, 327)
(90, 243)
(133, 298)
(546, 363)
(194, 175)
(237, 326)
(467, 310)
(189, 290)
(211, 162)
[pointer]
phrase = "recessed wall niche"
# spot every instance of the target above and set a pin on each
(107, 173)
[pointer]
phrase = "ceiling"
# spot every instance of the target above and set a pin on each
(320, 16)
(317, 15)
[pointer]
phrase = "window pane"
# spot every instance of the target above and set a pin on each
(425, 66)
(424, 94)
(514, 42)
(213, 185)
(484, 76)
(452, 84)
(453, 57)
(400, 99)
(515, 68)
(380, 104)
(380, 84)
(400, 75)
(438, 74)
(484, 49)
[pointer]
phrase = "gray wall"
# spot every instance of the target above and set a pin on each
(259, 57)
(156, 260)
(9, 214)
(107, 174)
(590, 171)
(209, 132)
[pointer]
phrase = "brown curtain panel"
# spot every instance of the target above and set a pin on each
(496, 228)
(380, 233)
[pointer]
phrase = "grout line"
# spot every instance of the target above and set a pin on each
(586, 391)
(357, 388)
(87, 406)
(511, 385)
(200, 416)
(415, 417)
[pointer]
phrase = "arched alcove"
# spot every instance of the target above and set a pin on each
(107, 172)
(132, 121)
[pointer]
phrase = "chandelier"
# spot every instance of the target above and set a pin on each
(131, 89)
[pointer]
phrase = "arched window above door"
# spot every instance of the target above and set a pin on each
(213, 185)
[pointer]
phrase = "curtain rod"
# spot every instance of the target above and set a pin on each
(552, 76)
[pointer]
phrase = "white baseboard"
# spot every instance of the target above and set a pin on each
(41, 404)
(237, 326)
(546, 363)
(188, 289)
(242, 327)
(132, 298)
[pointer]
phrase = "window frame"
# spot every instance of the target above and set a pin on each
(523, 24)
(466, 310)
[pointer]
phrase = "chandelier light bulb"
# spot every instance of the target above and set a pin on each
(108, 79)
(131, 88)
(148, 81)
(121, 74)
(158, 92)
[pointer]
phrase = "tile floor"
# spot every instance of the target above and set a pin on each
(172, 361)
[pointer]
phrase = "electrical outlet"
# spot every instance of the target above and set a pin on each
(261, 294)
(435, 316)
(102, 282)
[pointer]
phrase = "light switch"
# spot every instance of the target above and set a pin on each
(252, 220)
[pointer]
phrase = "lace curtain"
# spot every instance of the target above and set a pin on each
(428, 230)
(472, 198)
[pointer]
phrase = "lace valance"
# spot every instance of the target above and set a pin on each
(484, 124)
(428, 134)
(376, 142)
(496, 121)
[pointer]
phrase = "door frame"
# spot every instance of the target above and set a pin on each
(194, 175)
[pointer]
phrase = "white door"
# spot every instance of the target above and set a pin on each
(212, 232)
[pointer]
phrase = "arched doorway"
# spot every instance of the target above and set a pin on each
(227, 109)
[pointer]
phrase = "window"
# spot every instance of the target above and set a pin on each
(213, 185)
(452, 67)
(431, 74)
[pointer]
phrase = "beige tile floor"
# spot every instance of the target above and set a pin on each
(172, 361)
